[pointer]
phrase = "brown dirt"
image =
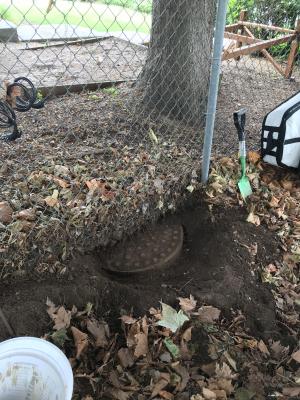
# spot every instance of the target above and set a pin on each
(108, 59)
(216, 266)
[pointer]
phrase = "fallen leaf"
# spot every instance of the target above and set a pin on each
(208, 314)
(114, 379)
(60, 316)
(125, 358)
(119, 394)
(127, 319)
(29, 214)
(278, 351)
(141, 348)
(80, 340)
(61, 182)
(230, 360)
(99, 332)
(172, 319)
(60, 337)
(291, 391)
(209, 394)
(209, 369)
(286, 184)
(243, 394)
(6, 212)
(187, 304)
(263, 348)
(160, 385)
(172, 347)
(166, 395)
(274, 202)
(184, 375)
(296, 356)
(190, 188)
(221, 394)
(224, 371)
(159, 185)
(253, 157)
(253, 219)
(99, 185)
(271, 268)
(152, 136)
(187, 334)
(52, 201)
(51, 307)
(61, 170)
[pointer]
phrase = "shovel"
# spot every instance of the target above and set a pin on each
(239, 118)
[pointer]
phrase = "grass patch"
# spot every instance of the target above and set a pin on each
(96, 16)
(144, 6)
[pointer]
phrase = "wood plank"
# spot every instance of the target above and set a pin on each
(232, 28)
(60, 90)
(69, 42)
(267, 27)
(243, 18)
(293, 52)
(241, 38)
(244, 51)
(267, 55)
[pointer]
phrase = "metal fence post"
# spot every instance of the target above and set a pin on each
(213, 87)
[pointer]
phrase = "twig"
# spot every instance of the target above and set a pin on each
(6, 323)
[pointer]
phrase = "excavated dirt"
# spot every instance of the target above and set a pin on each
(218, 265)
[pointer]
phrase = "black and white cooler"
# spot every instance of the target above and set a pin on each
(280, 139)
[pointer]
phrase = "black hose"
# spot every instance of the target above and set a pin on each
(8, 120)
(24, 101)
(28, 97)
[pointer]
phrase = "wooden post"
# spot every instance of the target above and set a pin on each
(267, 54)
(243, 17)
(293, 52)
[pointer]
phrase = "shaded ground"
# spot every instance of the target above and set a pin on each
(251, 83)
(106, 60)
(215, 266)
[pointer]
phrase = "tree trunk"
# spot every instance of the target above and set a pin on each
(176, 75)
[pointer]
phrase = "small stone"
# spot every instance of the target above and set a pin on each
(6, 213)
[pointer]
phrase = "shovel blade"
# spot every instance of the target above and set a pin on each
(245, 187)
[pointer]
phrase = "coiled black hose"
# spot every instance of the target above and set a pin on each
(8, 120)
(24, 101)
(28, 95)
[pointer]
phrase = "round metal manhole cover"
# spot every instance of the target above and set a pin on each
(152, 249)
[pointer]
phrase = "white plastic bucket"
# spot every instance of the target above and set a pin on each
(34, 369)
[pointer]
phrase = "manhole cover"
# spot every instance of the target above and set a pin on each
(152, 249)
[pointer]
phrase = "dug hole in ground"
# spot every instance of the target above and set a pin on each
(228, 324)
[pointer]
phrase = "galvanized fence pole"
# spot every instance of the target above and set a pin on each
(213, 87)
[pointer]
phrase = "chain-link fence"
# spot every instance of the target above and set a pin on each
(118, 141)
(260, 79)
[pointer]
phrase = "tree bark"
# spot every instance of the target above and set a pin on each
(176, 75)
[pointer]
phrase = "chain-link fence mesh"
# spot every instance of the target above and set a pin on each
(119, 139)
(253, 80)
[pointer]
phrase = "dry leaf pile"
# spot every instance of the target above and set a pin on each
(74, 190)
(191, 354)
